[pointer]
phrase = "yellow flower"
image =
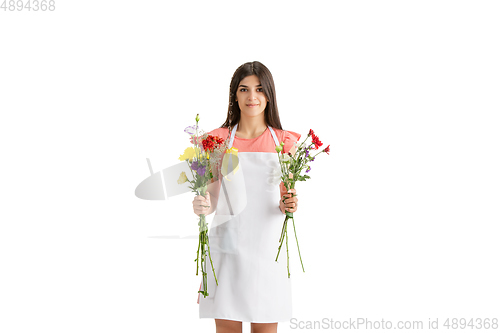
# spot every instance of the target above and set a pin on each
(188, 154)
(182, 178)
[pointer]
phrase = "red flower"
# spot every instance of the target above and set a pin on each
(211, 142)
(316, 141)
(311, 132)
(327, 149)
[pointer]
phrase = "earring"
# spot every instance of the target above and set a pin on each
(230, 102)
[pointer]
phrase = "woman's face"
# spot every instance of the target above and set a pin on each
(250, 96)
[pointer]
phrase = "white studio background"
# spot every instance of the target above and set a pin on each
(399, 222)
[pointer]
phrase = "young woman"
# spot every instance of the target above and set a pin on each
(252, 286)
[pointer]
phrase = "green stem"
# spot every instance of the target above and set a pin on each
(281, 239)
(206, 274)
(302, 142)
(204, 270)
(279, 249)
(293, 221)
(317, 154)
(196, 141)
(282, 230)
(198, 254)
(287, 260)
(190, 170)
(211, 261)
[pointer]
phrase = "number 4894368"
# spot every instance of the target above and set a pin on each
(28, 5)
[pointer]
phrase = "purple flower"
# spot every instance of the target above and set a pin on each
(307, 152)
(313, 159)
(201, 171)
(190, 130)
(198, 167)
(308, 169)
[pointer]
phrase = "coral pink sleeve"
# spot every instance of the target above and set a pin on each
(221, 132)
(289, 139)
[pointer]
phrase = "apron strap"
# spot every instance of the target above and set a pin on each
(274, 135)
(233, 133)
(232, 136)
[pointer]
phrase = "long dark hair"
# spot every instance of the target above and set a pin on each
(271, 114)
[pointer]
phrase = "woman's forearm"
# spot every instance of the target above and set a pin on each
(213, 204)
(213, 189)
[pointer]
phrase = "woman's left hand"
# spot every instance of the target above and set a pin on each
(290, 201)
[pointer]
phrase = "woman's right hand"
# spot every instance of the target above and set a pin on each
(201, 204)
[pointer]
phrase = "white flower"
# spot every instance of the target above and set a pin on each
(284, 158)
(275, 175)
(190, 129)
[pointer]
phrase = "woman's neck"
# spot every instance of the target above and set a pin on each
(249, 128)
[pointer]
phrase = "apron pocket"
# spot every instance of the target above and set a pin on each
(224, 239)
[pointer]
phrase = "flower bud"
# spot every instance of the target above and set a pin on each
(278, 148)
(197, 117)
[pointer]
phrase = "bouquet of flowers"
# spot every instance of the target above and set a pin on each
(291, 167)
(204, 161)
